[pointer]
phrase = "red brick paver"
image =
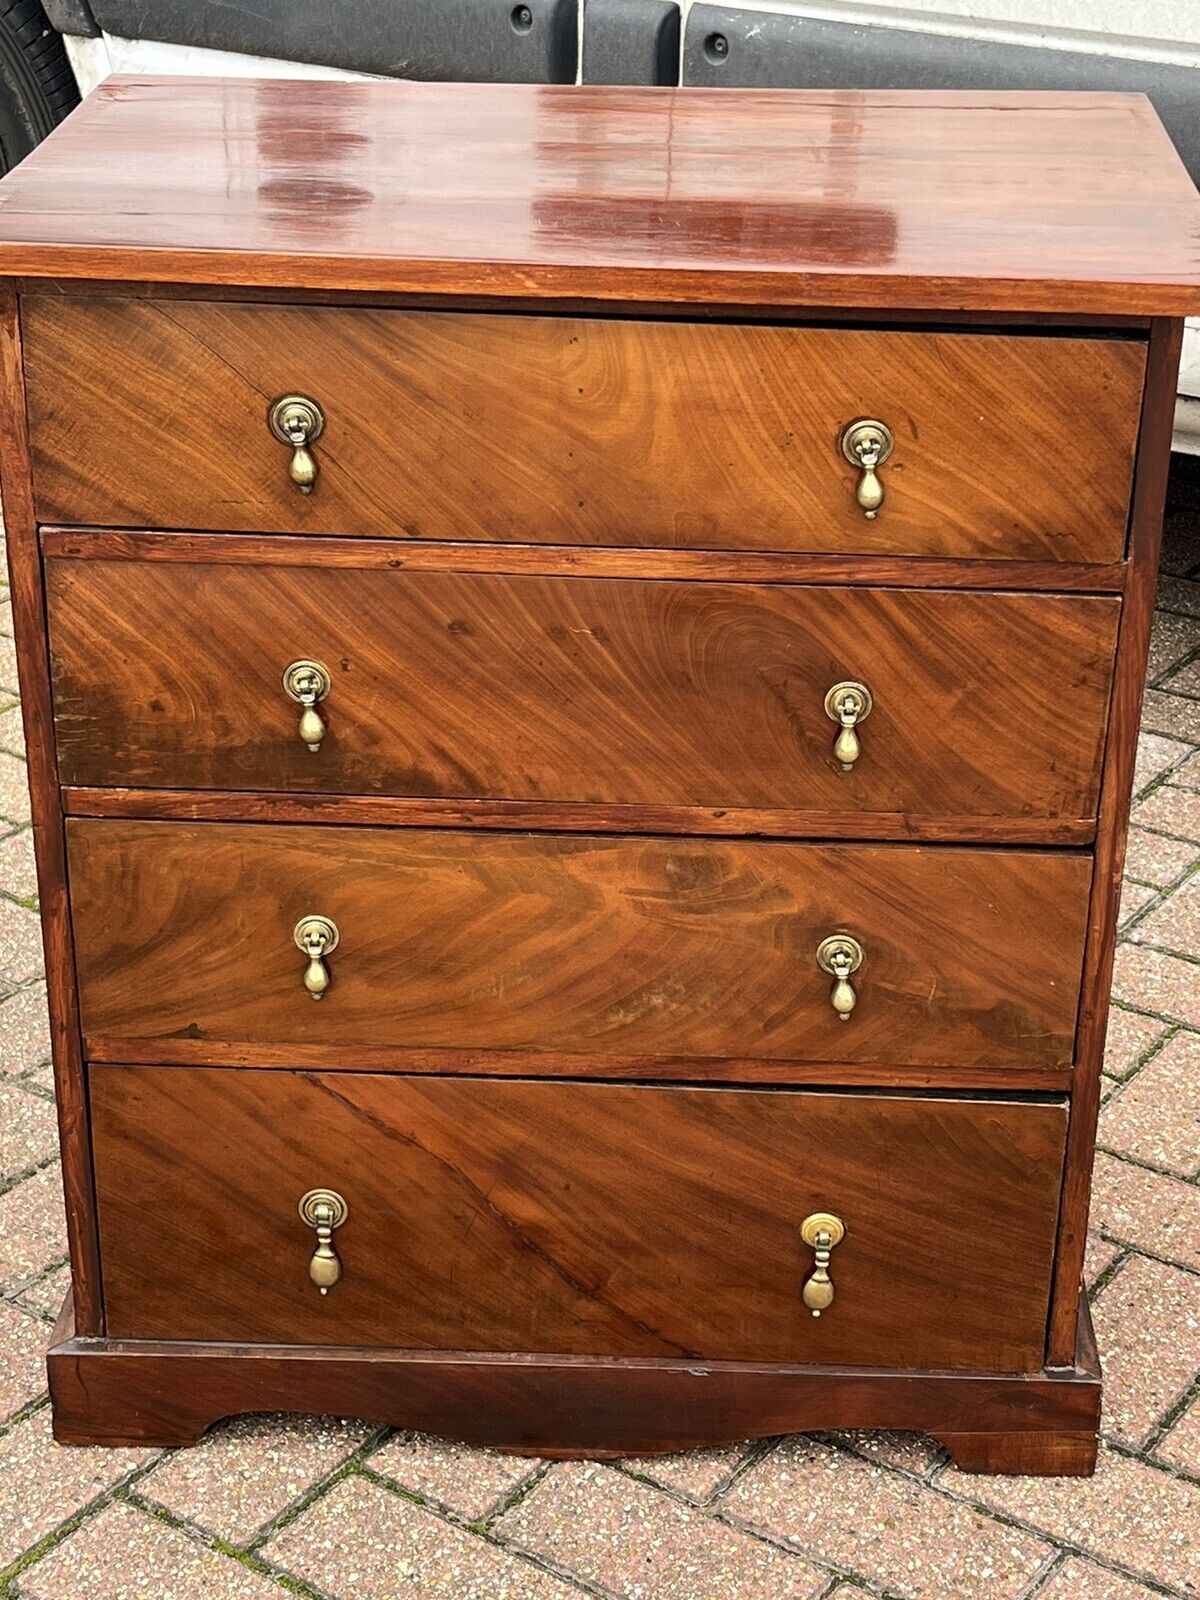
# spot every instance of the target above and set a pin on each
(1148, 1325)
(122, 1553)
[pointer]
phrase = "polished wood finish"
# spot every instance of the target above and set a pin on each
(586, 356)
(573, 1218)
(1121, 753)
(142, 1392)
(626, 692)
(599, 947)
(464, 426)
(957, 201)
(28, 616)
(649, 1068)
(900, 316)
(695, 566)
(1023, 1453)
(215, 805)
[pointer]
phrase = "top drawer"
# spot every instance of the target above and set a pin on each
(448, 425)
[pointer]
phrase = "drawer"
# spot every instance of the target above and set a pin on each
(570, 689)
(572, 430)
(592, 1219)
(581, 953)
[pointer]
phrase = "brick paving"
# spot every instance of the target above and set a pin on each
(331, 1510)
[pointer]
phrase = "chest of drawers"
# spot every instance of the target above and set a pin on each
(581, 656)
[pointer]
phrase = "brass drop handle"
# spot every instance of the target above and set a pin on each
(866, 444)
(822, 1233)
(849, 705)
(298, 422)
(307, 683)
(324, 1210)
(840, 956)
(316, 937)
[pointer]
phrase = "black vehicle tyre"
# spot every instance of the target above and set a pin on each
(37, 87)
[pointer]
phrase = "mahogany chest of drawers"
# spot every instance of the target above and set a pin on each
(582, 654)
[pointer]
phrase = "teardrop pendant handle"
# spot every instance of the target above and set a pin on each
(849, 704)
(308, 683)
(317, 937)
(302, 469)
(822, 1233)
(298, 422)
(841, 956)
(866, 444)
(324, 1210)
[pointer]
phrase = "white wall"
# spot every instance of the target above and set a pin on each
(1157, 30)
(1162, 30)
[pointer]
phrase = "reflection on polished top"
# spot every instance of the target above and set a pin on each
(930, 199)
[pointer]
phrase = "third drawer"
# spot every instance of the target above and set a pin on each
(986, 716)
(502, 952)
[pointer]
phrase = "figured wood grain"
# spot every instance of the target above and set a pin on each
(1120, 755)
(149, 1392)
(450, 425)
(575, 690)
(864, 216)
(595, 946)
(579, 1219)
(28, 608)
(867, 198)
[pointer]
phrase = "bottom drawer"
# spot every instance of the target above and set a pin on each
(595, 1218)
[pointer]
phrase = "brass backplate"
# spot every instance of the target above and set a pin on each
(328, 1201)
(822, 1222)
(835, 945)
(298, 672)
(304, 415)
(307, 926)
(858, 693)
(867, 434)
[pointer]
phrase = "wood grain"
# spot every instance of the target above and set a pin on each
(28, 616)
(939, 199)
(180, 1051)
(578, 1219)
(215, 805)
(585, 357)
(615, 692)
(143, 1392)
(594, 946)
(449, 425)
(1120, 755)
(694, 566)
(1121, 326)
(1028, 1453)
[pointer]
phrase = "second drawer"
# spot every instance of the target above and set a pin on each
(582, 954)
(987, 710)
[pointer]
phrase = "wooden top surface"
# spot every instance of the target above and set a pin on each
(827, 198)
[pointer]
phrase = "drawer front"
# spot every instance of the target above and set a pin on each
(582, 951)
(557, 430)
(578, 1218)
(618, 691)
